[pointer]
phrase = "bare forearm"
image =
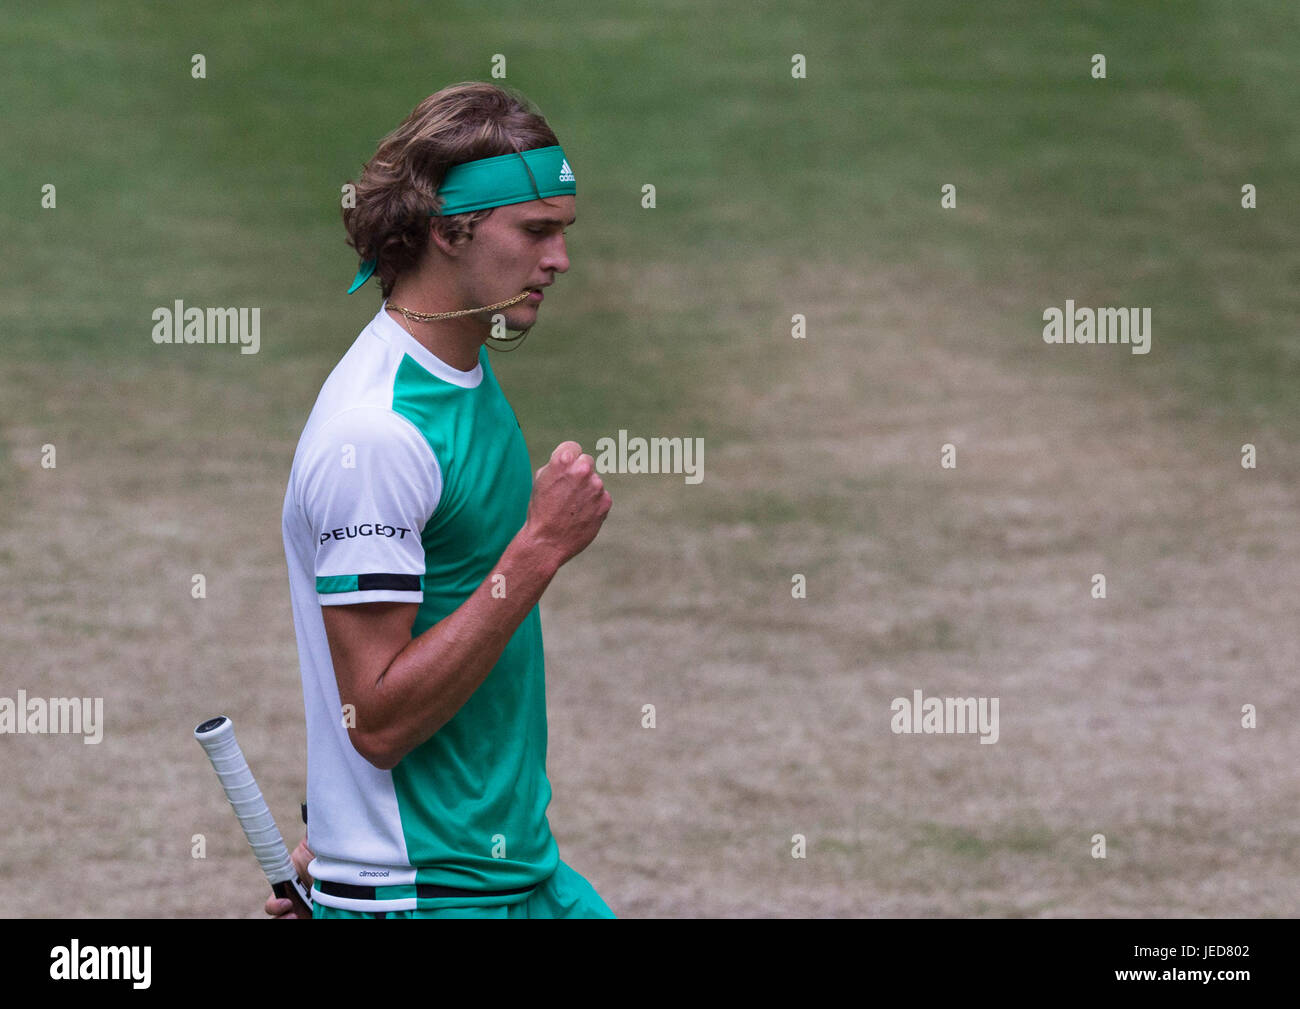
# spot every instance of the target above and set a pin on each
(436, 673)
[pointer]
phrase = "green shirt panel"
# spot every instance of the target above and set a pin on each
(473, 797)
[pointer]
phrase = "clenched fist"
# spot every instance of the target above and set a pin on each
(569, 503)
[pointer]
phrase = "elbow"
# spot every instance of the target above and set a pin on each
(375, 750)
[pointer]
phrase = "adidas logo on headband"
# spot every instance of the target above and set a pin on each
(566, 173)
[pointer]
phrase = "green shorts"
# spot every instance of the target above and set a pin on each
(563, 894)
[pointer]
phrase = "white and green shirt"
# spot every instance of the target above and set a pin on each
(409, 481)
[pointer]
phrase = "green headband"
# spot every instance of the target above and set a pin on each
(496, 182)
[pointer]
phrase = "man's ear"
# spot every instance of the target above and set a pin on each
(438, 237)
(451, 242)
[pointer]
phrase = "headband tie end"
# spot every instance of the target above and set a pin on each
(364, 273)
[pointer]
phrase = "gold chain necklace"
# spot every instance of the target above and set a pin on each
(431, 316)
(408, 315)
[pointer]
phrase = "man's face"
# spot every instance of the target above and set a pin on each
(517, 246)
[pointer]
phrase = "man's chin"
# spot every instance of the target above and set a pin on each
(519, 320)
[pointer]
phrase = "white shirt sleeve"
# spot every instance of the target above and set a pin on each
(368, 482)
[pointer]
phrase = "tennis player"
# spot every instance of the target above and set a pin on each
(419, 541)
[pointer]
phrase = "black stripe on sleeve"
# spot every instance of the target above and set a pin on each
(395, 583)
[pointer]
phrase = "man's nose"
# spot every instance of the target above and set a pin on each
(557, 256)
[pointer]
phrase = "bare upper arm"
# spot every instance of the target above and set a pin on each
(364, 638)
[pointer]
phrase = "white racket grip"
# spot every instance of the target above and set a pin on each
(217, 737)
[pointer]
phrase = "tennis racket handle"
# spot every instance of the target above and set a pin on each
(217, 737)
(293, 890)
